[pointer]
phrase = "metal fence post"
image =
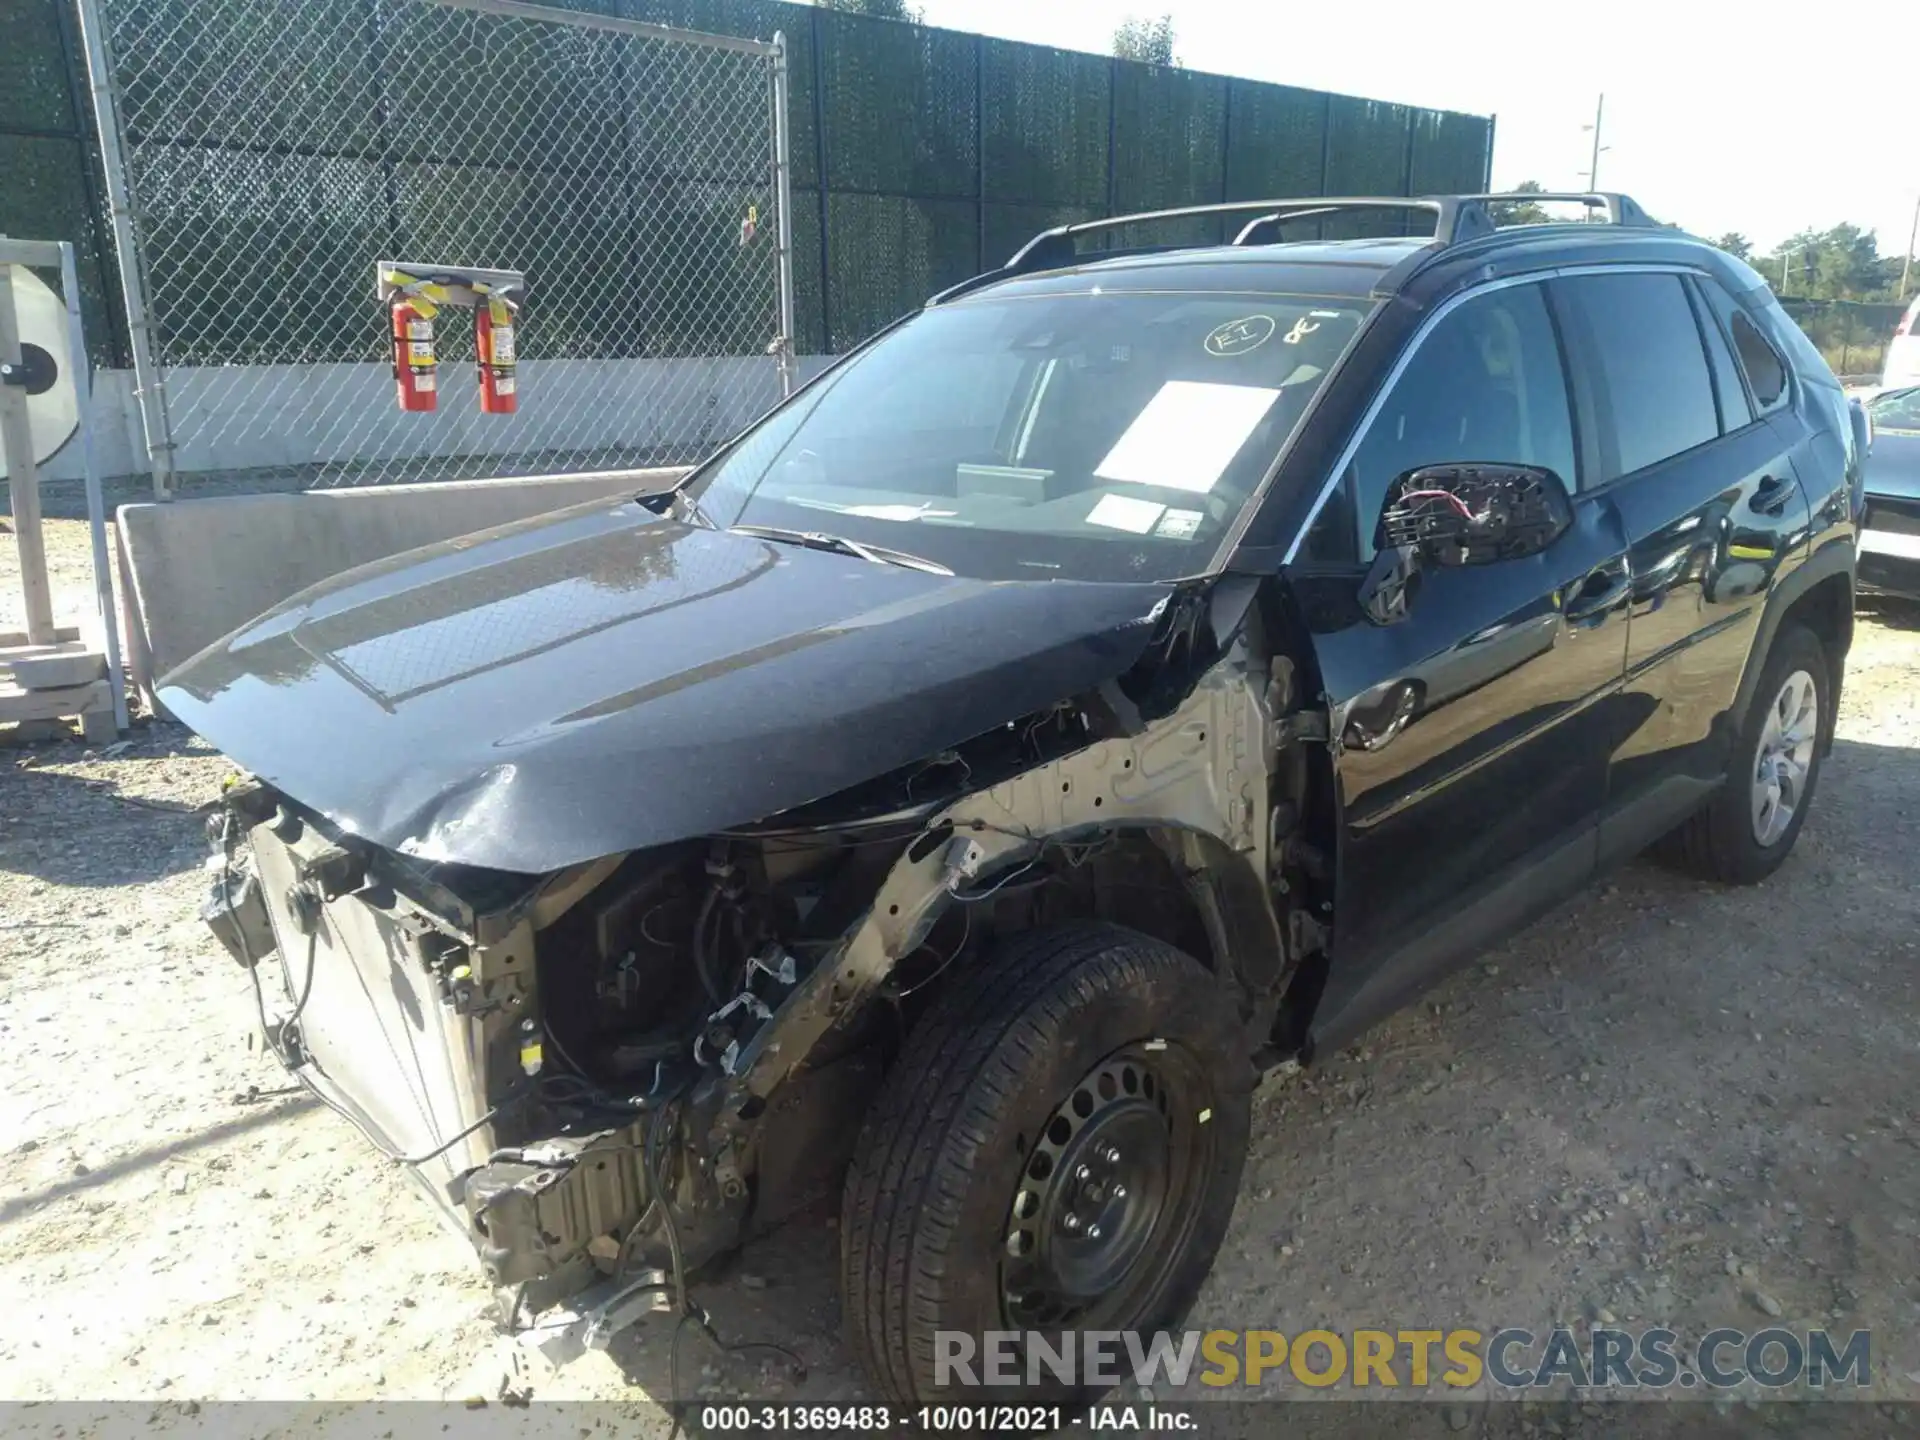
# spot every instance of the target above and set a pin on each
(817, 99)
(783, 203)
(96, 503)
(1406, 170)
(149, 387)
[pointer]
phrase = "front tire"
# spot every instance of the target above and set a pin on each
(1058, 1148)
(1749, 827)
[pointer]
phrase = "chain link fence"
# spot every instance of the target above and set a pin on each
(273, 153)
(1853, 335)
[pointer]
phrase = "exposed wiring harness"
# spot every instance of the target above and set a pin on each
(686, 1310)
(1448, 496)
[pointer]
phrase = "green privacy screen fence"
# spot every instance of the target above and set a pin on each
(924, 156)
(920, 156)
(49, 171)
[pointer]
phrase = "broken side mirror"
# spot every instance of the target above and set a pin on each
(1469, 514)
(1461, 514)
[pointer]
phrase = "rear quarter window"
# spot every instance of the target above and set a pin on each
(1807, 362)
(1766, 371)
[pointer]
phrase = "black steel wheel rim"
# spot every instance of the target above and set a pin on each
(1108, 1192)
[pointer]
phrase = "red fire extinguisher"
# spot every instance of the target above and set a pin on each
(414, 368)
(493, 348)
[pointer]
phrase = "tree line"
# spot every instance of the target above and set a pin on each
(1842, 263)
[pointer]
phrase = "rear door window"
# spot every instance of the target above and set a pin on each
(1736, 408)
(1650, 371)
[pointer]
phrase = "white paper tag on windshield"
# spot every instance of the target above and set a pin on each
(1187, 435)
(1180, 524)
(1120, 512)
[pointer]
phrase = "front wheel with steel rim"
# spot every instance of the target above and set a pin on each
(1749, 827)
(1057, 1148)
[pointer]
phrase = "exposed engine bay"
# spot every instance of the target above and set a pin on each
(615, 1072)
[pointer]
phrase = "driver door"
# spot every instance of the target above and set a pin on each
(1471, 733)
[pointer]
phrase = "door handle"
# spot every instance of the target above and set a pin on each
(1771, 496)
(1603, 590)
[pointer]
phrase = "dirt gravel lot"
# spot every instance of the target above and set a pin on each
(1664, 1103)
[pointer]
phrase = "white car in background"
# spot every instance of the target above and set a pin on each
(1903, 353)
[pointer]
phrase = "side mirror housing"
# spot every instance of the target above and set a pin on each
(1861, 419)
(1472, 514)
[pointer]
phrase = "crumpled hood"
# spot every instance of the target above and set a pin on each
(603, 680)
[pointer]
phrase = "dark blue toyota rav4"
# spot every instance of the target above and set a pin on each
(1138, 670)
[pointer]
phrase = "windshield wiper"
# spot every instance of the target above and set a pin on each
(840, 545)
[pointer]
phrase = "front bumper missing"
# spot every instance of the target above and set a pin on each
(416, 1036)
(544, 1219)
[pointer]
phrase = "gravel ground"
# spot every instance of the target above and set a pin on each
(1665, 1102)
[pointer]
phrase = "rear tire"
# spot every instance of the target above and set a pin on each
(1058, 1147)
(1737, 839)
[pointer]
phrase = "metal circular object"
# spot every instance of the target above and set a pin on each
(1785, 756)
(38, 369)
(1105, 1189)
(53, 409)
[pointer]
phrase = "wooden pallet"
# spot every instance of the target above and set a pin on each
(28, 701)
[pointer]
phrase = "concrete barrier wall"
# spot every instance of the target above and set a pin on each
(269, 417)
(192, 571)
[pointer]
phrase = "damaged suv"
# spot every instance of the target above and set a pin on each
(1132, 674)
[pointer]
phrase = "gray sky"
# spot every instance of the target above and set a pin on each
(1705, 119)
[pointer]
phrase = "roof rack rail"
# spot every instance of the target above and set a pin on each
(1621, 209)
(1456, 219)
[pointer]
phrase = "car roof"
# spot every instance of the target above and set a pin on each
(1306, 267)
(1466, 244)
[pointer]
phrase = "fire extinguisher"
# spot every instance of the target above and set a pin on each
(493, 348)
(414, 368)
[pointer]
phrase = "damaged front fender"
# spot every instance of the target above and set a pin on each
(1197, 779)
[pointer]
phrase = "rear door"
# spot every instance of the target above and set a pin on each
(1706, 489)
(1470, 735)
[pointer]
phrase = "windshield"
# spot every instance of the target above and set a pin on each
(1086, 437)
(1896, 409)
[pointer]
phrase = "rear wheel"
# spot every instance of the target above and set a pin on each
(1749, 828)
(1058, 1148)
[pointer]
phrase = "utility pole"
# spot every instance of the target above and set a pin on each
(1913, 234)
(1593, 170)
(1787, 253)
